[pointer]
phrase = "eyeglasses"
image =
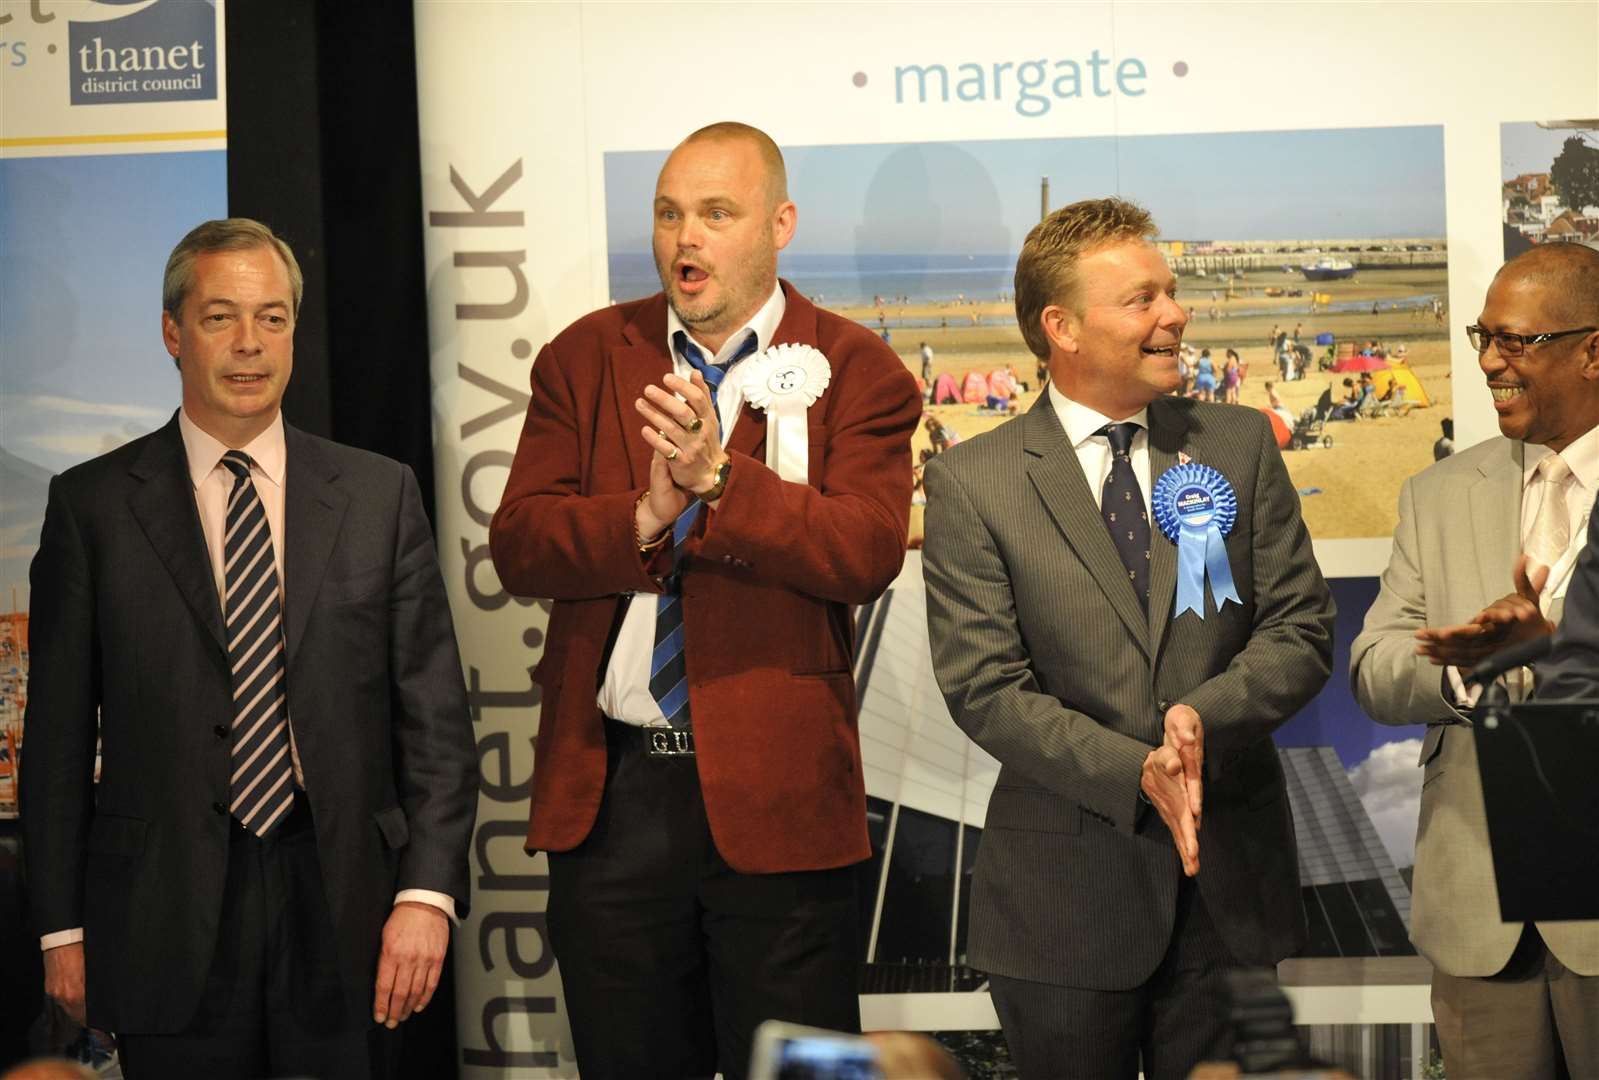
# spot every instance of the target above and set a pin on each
(1516, 344)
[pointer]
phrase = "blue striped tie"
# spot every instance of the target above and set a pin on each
(668, 670)
(261, 789)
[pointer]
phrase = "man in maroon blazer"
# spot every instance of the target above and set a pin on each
(706, 481)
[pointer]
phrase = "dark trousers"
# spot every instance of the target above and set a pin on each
(1173, 1021)
(274, 1003)
(669, 957)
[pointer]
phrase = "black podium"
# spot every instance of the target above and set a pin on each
(1540, 785)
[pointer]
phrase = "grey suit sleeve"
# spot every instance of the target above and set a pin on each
(985, 672)
(1289, 653)
(1391, 683)
(435, 757)
(57, 766)
(1572, 670)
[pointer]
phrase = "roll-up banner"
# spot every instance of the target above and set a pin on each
(1335, 185)
(113, 144)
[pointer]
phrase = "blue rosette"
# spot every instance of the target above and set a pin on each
(1196, 507)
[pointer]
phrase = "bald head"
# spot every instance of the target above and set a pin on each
(732, 132)
(1568, 276)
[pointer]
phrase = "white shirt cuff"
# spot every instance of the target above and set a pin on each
(1465, 697)
(60, 938)
(443, 901)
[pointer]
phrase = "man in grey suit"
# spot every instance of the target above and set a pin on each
(1126, 699)
(1509, 1000)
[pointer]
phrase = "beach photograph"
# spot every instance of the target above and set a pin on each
(1305, 259)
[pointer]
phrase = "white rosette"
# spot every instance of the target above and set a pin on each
(785, 381)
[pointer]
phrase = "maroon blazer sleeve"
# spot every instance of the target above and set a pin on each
(548, 538)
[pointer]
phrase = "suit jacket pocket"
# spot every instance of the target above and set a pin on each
(112, 835)
(1033, 810)
(392, 824)
(1431, 743)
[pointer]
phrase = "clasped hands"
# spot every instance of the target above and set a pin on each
(1510, 620)
(687, 439)
(1173, 781)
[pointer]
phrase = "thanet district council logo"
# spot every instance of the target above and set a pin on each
(160, 51)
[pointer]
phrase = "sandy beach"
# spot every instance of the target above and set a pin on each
(1350, 490)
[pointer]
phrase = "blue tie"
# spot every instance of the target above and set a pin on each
(668, 670)
(1122, 507)
(712, 373)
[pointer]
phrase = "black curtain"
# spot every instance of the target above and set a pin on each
(322, 146)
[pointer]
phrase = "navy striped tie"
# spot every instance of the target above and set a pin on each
(262, 786)
(668, 669)
(1122, 507)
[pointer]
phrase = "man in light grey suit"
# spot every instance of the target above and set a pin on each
(1508, 1000)
(1120, 718)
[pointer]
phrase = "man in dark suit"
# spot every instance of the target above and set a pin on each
(1572, 670)
(699, 782)
(252, 621)
(1128, 686)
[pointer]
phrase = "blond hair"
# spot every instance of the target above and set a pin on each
(1046, 271)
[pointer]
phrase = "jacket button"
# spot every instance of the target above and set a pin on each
(729, 559)
(220, 731)
(218, 808)
(1163, 705)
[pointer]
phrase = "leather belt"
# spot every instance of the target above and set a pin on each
(656, 742)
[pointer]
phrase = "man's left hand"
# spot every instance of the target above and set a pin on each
(1510, 620)
(1186, 734)
(415, 939)
(684, 430)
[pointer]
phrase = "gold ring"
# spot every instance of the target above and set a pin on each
(694, 426)
(673, 455)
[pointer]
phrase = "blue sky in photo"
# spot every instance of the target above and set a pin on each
(981, 197)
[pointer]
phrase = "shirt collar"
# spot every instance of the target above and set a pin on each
(204, 452)
(1582, 456)
(764, 324)
(1081, 423)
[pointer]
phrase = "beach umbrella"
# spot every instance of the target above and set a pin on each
(1358, 362)
(1279, 427)
(999, 383)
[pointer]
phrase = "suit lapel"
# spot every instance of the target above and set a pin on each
(1167, 429)
(638, 362)
(163, 504)
(1497, 530)
(1058, 478)
(313, 510)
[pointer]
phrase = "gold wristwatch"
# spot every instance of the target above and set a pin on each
(718, 481)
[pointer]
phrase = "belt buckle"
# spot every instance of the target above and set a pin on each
(669, 742)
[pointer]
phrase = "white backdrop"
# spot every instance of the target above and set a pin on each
(520, 103)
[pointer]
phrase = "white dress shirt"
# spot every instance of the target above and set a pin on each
(625, 692)
(1093, 451)
(213, 483)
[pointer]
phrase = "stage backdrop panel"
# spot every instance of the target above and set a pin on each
(919, 143)
(112, 146)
